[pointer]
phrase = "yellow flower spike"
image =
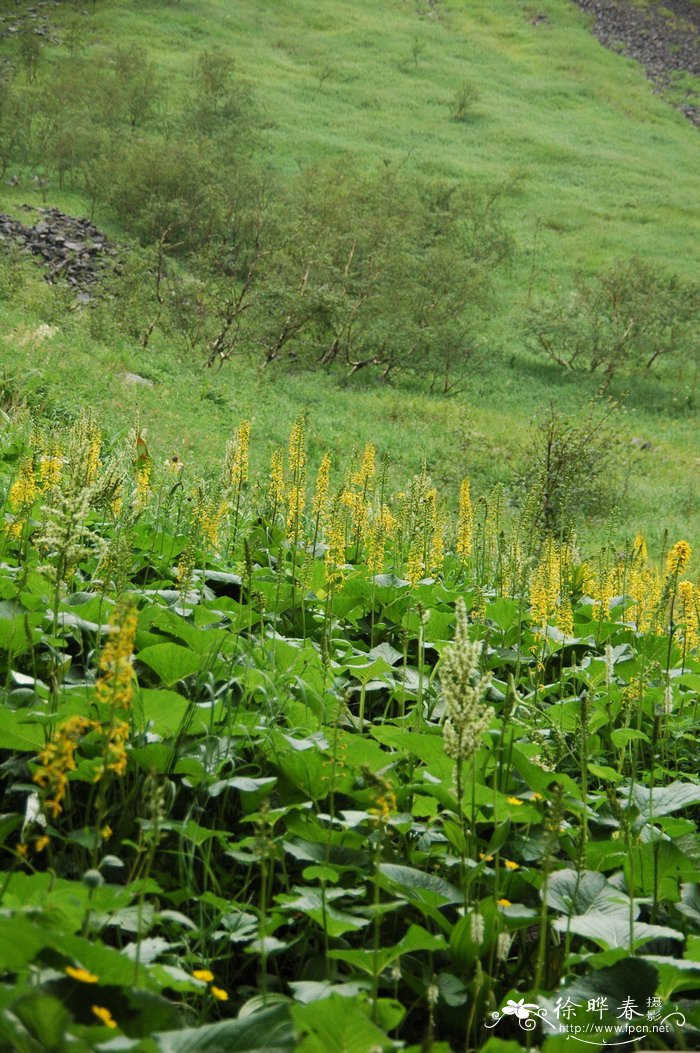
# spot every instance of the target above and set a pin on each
(239, 456)
(689, 596)
(81, 975)
(24, 489)
(509, 864)
(276, 488)
(50, 467)
(414, 566)
(57, 760)
(514, 800)
(465, 523)
(115, 678)
(219, 993)
(678, 558)
(103, 1015)
(205, 975)
(319, 507)
(335, 552)
(545, 585)
(363, 476)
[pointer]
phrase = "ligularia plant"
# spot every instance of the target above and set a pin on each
(464, 688)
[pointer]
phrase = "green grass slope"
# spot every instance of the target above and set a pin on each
(598, 168)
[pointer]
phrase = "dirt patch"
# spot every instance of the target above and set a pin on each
(663, 35)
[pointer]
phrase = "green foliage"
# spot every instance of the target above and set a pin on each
(628, 316)
(278, 853)
(573, 466)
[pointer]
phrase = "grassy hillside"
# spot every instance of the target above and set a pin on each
(596, 168)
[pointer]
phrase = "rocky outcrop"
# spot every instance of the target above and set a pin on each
(69, 248)
(664, 36)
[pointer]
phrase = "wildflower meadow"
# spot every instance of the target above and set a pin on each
(293, 761)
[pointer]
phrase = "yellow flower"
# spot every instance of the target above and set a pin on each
(414, 567)
(514, 800)
(384, 804)
(106, 832)
(239, 455)
(219, 993)
(276, 488)
(92, 459)
(24, 490)
(143, 485)
(510, 865)
(117, 501)
(22, 850)
(41, 843)
(297, 447)
(363, 476)
(211, 515)
(81, 975)
(103, 1015)
(436, 556)
(319, 506)
(296, 499)
(115, 748)
(465, 523)
(504, 903)
(375, 549)
(205, 975)
(537, 796)
(50, 467)
(487, 859)
(689, 595)
(115, 678)
(335, 552)
(57, 760)
(678, 557)
(545, 585)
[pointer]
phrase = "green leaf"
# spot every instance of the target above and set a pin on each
(20, 942)
(657, 869)
(44, 1017)
(170, 662)
(337, 1023)
(268, 1031)
(664, 800)
(17, 734)
(14, 637)
(584, 893)
(613, 930)
(417, 885)
(620, 737)
(319, 907)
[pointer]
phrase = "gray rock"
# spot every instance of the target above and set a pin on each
(134, 378)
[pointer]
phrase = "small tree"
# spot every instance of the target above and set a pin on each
(573, 466)
(627, 316)
(463, 101)
(136, 85)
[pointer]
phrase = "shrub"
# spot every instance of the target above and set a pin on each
(573, 468)
(629, 315)
(463, 101)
